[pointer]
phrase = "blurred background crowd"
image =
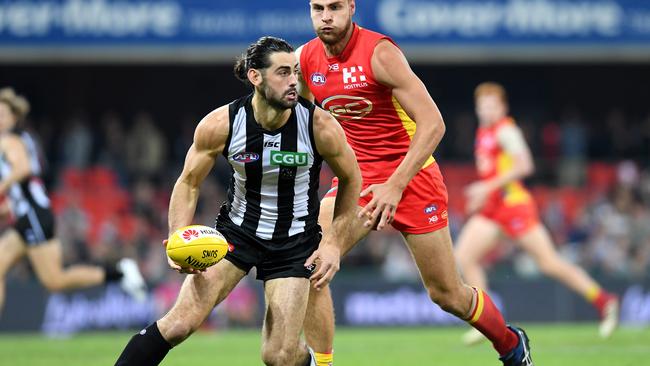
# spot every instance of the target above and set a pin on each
(111, 170)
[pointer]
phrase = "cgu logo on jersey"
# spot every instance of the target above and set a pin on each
(245, 157)
(288, 158)
(354, 77)
(344, 107)
(318, 79)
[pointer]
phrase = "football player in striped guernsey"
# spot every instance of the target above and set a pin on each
(275, 142)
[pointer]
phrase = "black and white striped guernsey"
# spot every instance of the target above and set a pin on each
(30, 193)
(273, 193)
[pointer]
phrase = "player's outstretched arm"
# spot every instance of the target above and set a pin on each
(16, 155)
(333, 147)
(209, 140)
(303, 89)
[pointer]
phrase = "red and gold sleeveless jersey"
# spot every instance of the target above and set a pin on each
(492, 161)
(377, 127)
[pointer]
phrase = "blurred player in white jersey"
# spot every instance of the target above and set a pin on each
(31, 231)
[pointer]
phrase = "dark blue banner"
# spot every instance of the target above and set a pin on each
(219, 29)
(359, 301)
(221, 22)
(527, 22)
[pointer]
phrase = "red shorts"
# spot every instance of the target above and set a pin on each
(514, 220)
(423, 208)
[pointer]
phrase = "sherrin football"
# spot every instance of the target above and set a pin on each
(196, 246)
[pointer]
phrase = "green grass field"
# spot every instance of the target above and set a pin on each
(552, 345)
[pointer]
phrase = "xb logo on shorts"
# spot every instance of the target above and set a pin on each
(288, 158)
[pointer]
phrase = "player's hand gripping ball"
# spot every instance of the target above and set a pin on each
(196, 246)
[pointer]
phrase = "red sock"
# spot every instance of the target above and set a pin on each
(601, 299)
(487, 319)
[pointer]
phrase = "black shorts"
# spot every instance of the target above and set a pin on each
(36, 227)
(272, 258)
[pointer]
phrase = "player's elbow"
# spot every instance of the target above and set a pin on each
(527, 169)
(355, 175)
(22, 173)
(434, 133)
(187, 180)
(440, 130)
(351, 179)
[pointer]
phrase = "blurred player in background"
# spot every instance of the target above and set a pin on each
(499, 203)
(275, 142)
(31, 230)
(365, 81)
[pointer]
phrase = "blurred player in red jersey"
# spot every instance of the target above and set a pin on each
(499, 202)
(363, 79)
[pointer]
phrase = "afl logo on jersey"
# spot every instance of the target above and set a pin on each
(245, 157)
(318, 79)
(344, 107)
(430, 209)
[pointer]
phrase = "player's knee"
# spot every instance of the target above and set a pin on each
(176, 331)
(278, 356)
(449, 300)
(53, 283)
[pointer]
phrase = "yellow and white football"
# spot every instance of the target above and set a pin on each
(196, 246)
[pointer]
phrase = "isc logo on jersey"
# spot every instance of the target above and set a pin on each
(344, 107)
(288, 158)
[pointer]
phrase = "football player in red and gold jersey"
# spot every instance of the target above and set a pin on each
(499, 202)
(363, 79)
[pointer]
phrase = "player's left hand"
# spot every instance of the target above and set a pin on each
(476, 195)
(384, 202)
(328, 258)
(176, 267)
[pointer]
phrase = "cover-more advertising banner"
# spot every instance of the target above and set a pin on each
(142, 25)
